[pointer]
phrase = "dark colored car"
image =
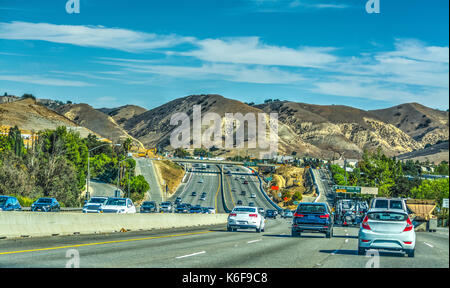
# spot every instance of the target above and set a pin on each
(46, 205)
(239, 202)
(205, 210)
(245, 182)
(178, 200)
(182, 208)
(312, 217)
(196, 209)
(251, 204)
(271, 214)
(149, 207)
(243, 193)
(8, 203)
(194, 194)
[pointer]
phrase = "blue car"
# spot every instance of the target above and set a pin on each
(312, 217)
(8, 203)
(46, 205)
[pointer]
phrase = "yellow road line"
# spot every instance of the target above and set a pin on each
(217, 193)
(102, 243)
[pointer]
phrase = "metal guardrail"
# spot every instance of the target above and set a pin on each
(265, 194)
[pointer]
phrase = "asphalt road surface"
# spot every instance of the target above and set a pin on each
(146, 169)
(210, 185)
(214, 247)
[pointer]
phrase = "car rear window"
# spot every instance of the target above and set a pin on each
(381, 204)
(251, 210)
(387, 216)
(396, 204)
(311, 208)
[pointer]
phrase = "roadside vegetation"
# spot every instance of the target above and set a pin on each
(56, 166)
(395, 178)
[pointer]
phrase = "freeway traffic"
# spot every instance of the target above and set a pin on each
(208, 247)
(214, 246)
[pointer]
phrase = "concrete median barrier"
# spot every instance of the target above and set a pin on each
(29, 224)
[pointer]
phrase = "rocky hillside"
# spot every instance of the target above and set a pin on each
(102, 124)
(423, 124)
(29, 115)
(124, 113)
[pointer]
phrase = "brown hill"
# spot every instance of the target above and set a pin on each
(341, 129)
(102, 124)
(423, 124)
(312, 130)
(124, 113)
(31, 116)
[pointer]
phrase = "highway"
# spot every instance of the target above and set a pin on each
(213, 247)
(234, 185)
(210, 185)
(145, 167)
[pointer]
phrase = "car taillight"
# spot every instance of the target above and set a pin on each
(409, 225)
(407, 242)
(298, 215)
(233, 215)
(253, 215)
(364, 224)
(325, 216)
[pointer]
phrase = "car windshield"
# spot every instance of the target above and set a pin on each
(97, 200)
(116, 202)
(381, 204)
(45, 200)
(387, 216)
(242, 209)
(311, 208)
(347, 204)
(148, 204)
(396, 204)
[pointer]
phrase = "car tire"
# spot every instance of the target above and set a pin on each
(258, 230)
(328, 234)
(361, 251)
(229, 229)
(410, 253)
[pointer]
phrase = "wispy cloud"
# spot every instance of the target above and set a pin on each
(250, 50)
(40, 80)
(89, 36)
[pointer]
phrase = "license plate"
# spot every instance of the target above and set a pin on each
(242, 222)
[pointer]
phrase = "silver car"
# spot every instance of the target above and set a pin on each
(387, 229)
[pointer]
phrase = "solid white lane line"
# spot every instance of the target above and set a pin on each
(253, 241)
(193, 254)
(429, 245)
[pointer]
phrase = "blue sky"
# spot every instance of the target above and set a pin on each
(149, 52)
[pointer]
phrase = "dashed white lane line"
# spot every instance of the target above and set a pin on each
(346, 240)
(253, 241)
(429, 245)
(193, 254)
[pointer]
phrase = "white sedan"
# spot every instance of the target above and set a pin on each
(245, 217)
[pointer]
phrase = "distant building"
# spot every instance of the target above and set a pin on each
(350, 162)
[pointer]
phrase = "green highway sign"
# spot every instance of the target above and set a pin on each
(346, 189)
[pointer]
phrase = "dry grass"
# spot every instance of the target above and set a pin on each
(171, 173)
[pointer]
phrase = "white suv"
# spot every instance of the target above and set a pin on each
(119, 206)
(245, 217)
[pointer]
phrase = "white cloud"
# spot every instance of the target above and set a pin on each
(226, 72)
(250, 50)
(34, 79)
(89, 36)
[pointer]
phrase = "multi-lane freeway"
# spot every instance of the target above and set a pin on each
(213, 246)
